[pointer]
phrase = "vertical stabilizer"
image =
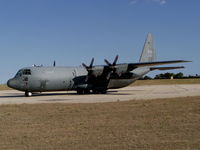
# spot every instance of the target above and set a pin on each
(148, 53)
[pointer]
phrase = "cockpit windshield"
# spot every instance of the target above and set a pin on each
(26, 72)
(19, 74)
(23, 72)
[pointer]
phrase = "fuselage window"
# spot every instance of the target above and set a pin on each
(26, 72)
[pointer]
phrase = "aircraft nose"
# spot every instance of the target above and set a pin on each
(11, 83)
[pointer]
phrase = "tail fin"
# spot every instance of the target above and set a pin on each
(148, 53)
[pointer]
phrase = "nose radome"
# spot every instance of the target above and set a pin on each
(14, 84)
(10, 83)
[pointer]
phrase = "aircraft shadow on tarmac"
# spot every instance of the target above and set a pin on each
(37, 95)
(56, 100)
(11, 96)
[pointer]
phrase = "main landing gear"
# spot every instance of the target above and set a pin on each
(81, 91)
(28, 94)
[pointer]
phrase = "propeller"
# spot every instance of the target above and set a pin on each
(90, 66)
(113, 65)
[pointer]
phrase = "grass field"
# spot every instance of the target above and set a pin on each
(4, 87)
(167, 124)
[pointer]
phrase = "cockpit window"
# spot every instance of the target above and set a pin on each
(26, 72)
(19, 74)
(23, 72)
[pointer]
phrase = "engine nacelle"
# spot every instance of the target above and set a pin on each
(97, 71)
(121, 69)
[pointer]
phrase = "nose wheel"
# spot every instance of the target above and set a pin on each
(28, 94)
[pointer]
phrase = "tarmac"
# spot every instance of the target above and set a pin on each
(124, 94)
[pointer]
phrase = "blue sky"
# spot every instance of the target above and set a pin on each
(74, 31)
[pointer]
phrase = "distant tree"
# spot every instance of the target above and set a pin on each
(190, 76)
(169, 75)
(147, 78)
(197, 76)
(193, 76)
(179, 75)
(164, 76)
(159, 76)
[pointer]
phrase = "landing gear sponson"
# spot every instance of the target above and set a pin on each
(81, 91)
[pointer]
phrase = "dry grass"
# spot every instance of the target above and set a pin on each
(4, 87)
(167, 124)
(166, 82)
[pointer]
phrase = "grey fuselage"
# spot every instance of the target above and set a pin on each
(42, 79)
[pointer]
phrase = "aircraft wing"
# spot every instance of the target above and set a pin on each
(118, 69)
(99, 76)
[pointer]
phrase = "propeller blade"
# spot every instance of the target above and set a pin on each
(107, 62)
(92, 61)
(115, 61)
(54, 63)
(89, 68)
(84, 65)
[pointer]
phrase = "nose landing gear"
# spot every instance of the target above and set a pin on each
(28, 94)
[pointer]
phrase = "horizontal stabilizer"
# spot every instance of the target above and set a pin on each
(166, 68)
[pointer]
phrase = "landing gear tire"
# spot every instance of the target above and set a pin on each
(28, 94)
(86, 91)
(79, 91)
(99, 91)
(104, 92)
(94, 91)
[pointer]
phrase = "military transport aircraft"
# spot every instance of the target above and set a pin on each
(86, 79)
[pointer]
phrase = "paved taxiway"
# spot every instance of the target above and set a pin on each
(124, 94)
